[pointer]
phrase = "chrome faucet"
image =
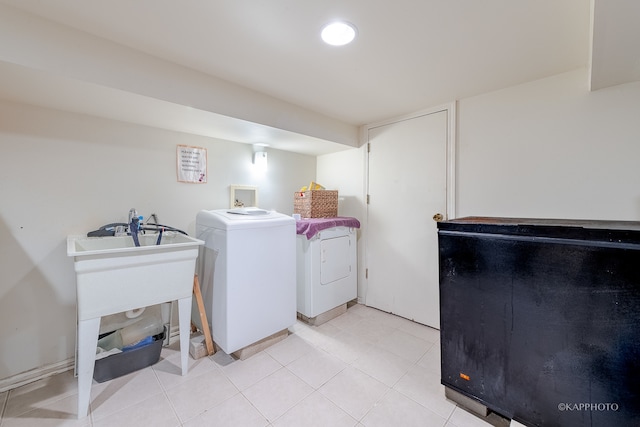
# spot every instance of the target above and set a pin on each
(133, 213)
(134, 225)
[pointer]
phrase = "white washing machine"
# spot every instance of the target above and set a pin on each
(247, 272)
(327, 274)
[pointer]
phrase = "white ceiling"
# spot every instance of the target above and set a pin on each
(409, 54)
(615, 56)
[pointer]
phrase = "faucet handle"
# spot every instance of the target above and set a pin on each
(132, 214)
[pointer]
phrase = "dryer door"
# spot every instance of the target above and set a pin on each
(334, 259)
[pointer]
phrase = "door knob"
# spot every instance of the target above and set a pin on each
(438, 217)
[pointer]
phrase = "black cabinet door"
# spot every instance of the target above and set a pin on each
(542, 329)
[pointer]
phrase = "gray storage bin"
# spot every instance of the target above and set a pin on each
(120, 364)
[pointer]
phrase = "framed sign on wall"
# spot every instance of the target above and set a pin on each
(191, 164)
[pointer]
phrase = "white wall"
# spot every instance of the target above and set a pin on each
(551, 149)
(64, 173)
(345, 171)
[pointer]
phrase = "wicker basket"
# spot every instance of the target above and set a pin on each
(316, 203)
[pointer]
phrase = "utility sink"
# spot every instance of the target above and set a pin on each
(113, 275)
(81, 245)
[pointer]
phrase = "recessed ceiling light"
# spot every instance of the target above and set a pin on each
(338, 33)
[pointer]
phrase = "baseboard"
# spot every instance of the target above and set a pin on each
(36, 374)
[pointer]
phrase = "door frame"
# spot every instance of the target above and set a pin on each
(450, 213)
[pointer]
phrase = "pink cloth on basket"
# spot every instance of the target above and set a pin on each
(311, 226)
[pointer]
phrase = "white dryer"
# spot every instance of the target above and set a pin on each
(327, 274)
(247, 271)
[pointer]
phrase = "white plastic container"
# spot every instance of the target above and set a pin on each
(145, 327)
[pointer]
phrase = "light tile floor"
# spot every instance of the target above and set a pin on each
(365, 368)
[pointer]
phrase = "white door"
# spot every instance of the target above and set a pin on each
(407, 187)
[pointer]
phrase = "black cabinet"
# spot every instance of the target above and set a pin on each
(540, 319)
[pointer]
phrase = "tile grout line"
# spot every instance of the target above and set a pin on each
(217, 369)
(164, 392)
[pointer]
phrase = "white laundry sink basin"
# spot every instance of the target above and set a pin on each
(113, 275)
(81, 245)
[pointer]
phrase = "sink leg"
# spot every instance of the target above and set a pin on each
(87, 342)
(184, 317)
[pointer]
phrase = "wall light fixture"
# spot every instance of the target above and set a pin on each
(260, 156)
